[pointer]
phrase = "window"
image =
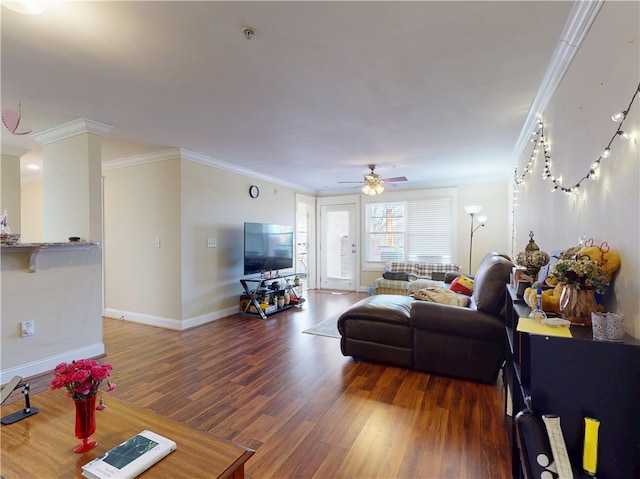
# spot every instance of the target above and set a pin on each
(416, 229)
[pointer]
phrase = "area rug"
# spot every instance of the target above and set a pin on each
(328, 327)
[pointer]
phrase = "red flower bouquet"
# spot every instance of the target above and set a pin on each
(82, 378)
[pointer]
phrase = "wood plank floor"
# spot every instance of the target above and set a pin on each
(308, 411)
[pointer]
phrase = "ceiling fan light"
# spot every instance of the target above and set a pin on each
(372, 190)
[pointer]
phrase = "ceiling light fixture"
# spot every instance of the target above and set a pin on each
(29, 7)
(372, 189)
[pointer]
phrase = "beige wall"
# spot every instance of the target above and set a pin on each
(142, 205)
(578, 126)
(58, 287)
(495, 235)
(63, 296)
(72, 188)
(215, 204)
(183, 283)
(10, 190)
(32, 223)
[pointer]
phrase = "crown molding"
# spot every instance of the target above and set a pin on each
(164, 155)
(188, 155)
(212, 162)
(580, 19)
(70, 129)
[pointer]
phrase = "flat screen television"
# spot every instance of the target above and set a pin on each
(267, 247)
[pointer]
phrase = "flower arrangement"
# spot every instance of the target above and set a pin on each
(82, 379)
(582, 273)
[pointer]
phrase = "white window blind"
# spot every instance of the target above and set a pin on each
(419, 229)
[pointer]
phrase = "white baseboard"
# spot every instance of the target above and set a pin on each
(169, 323)
(48, 364)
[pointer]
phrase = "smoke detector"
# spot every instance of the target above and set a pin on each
(248, 32)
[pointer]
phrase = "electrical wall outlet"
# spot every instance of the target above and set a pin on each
(157, 242)
(27, 328)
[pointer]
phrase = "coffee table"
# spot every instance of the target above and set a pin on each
(42, 445)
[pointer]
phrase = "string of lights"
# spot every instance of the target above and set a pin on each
(539, 141)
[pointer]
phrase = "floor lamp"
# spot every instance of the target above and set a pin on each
(473, 211)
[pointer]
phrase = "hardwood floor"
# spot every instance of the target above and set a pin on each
(308, 411)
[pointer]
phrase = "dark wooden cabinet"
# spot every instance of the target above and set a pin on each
(575, 378)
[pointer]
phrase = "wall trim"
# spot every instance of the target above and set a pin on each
(44, 365)
(208, 317)
(169, 323)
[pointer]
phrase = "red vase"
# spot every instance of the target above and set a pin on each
(85, 423)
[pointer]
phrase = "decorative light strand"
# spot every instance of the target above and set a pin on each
(539, 141)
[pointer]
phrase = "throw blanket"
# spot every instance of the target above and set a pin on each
(441, 295)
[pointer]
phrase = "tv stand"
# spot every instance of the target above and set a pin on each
(262, 290)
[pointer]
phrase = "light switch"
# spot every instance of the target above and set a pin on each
(212, 242)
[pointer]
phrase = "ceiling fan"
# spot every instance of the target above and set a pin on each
(373, 183)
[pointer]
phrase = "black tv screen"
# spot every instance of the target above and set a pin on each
(267, 247)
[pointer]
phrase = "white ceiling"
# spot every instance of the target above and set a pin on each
(434, 91)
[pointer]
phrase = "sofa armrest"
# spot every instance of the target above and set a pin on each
(457, 321)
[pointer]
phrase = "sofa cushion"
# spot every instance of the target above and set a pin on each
(396, 275)
(489, 284)
(385, 308)
(462, 284)
(377, 328)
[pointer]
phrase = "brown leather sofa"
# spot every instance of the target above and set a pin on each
(467, 343)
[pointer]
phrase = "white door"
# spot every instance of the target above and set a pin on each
(338, 247)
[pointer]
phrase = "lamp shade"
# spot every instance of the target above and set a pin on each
(472, 209)
(482, 219)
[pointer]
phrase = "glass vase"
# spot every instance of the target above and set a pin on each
(576, 305)
(85, 423)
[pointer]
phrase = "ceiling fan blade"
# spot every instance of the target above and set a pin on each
(359, 182)
(397, 178)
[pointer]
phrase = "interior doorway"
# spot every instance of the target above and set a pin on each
(305, 251)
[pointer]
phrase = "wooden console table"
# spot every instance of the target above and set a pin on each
(42, 445)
